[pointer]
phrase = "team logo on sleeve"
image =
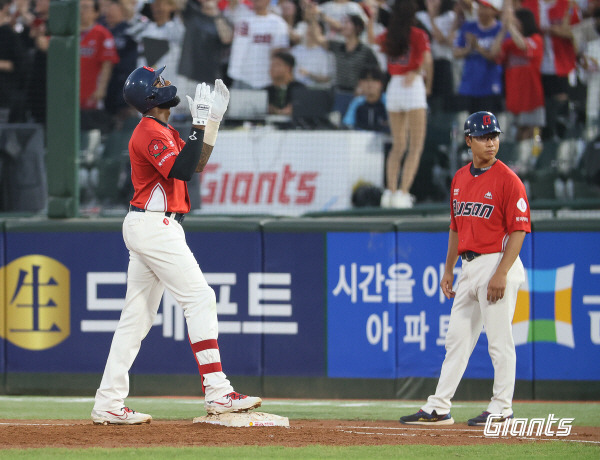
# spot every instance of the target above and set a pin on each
(522, 205)
(156, 148)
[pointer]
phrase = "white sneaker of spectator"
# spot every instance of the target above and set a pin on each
(402, 200)
(386, 199)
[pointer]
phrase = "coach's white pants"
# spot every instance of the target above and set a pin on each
(159, 258)
(470, 311)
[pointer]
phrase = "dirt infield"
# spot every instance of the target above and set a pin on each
(184, 433)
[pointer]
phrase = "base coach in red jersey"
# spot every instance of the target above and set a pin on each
(489, 219)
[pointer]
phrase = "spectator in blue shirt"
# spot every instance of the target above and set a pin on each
(481, 83)
(367, 111)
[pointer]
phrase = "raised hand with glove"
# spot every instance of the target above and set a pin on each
(201, 104)
(220, 100)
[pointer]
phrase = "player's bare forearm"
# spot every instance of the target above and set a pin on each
(452, 255)
(204, 157)
(497, 284)
(451, 258)
(511, 252)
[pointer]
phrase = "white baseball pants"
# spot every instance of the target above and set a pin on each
(470, 311)
(160, 258)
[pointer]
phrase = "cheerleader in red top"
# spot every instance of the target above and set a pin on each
(411, 68)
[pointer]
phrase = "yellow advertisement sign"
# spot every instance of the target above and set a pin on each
(36, 302)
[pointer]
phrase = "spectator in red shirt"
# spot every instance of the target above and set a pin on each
(555, 19)
(520, 47)
(98, 55)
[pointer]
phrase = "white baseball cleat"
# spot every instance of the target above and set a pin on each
(232, 402)
(124, 416)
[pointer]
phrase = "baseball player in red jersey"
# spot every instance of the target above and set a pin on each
(489, 220)
(159, 257)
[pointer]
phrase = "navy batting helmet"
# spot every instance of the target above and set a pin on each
(481, 123)
(140, 90)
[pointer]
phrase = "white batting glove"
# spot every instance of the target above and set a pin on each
(220, 97)
(200, 105)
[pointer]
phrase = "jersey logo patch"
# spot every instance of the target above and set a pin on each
(456, 190)
(488, 195)
(473, 209)
(166, 221)
(156, 147)
(193, 136)
(522, 205)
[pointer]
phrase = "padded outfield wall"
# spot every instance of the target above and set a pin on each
(319, 307)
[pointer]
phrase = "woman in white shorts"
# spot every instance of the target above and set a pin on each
(411, 68)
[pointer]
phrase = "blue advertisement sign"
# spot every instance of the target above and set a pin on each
(395, 316)
(564, 316)
(49, 281)
(361, 307)
(67, 291)
(354, 305)
(294, 305)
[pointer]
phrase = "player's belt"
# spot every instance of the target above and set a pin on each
(177, 216)
(469, 255)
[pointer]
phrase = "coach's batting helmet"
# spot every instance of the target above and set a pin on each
(140, 90)
(481, 123)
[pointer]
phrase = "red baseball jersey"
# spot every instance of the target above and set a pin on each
(153, 148)
(96, 46)
(412, 60)
(524, 91)
(563, 49)
(487, 208)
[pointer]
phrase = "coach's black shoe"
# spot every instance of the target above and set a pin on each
(423, 418)
(481, 420)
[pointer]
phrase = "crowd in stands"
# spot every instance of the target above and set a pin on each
(389, 65)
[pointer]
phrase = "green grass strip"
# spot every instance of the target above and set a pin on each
(69, 408)
(539, 449)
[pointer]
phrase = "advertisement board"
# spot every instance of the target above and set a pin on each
(298, 258)
(66, 291)
(564, 321)
(295, 301)
(265, 171)
(393, 312)
(361, 309)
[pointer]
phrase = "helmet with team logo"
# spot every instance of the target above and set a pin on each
(141, 91)
(481, 123)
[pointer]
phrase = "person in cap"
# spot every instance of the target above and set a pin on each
(159, 257)
(488, 223)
